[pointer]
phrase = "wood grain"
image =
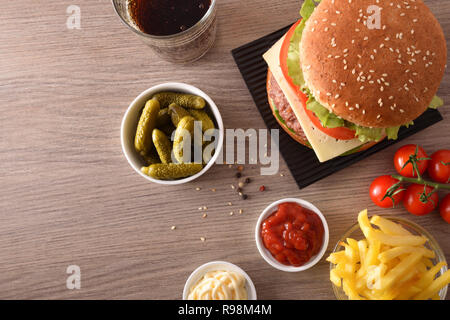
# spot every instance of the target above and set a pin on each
(68, 195)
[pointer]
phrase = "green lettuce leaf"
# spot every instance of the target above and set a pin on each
(365, 134)
(327, 118)
(436, 102)
(307, 9)
(293, 56)
(392, 133)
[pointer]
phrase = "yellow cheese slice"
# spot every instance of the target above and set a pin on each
(324, 146)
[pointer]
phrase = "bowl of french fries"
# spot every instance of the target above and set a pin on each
(387, 258)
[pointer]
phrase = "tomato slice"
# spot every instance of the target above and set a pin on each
(283, 59)
(340, 133)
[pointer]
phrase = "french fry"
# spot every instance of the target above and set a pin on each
(428, 263)
(364, 224)
(349, 288)
(434, 287)
(373, 252)
(396, 240)
(389, 227)
(407, 291)
(393, 263)
(335, 278)
(354, 245)
(337, 257)
(362, 248)
(421, 268)
(398, 251)
(390, 263)
(428, 277)
(389, 294)
(400, 270)
(370, 294)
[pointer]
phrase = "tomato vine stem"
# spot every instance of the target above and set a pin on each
(435, 185)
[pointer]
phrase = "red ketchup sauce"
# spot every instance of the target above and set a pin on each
(292, 234)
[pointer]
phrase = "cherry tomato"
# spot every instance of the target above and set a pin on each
(444, 208)
(439, 166)
(412, 203)
(378, 189)
(402, 156)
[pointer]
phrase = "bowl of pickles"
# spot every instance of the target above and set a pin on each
(172, 133)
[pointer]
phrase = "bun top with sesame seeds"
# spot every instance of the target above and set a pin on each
(376, 63)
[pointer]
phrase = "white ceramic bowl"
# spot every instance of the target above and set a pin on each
(266, 253)
(131, 119)
(214, 266)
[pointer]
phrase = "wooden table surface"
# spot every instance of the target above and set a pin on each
(69, 197)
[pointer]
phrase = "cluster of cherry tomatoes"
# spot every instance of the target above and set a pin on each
(420, 197)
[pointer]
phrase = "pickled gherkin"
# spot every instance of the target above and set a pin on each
(162, 145)
(184, 129)
(185, 100)
(163, 118)
(147, 122)
(202, 116)
(171, 171)
(177, 113)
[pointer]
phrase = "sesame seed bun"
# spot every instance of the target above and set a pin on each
(382, 77)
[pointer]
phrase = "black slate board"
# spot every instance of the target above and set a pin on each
(302, 161)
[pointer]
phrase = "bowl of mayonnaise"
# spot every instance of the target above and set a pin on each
(219, 280)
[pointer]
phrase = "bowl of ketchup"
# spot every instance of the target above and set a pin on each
(292, 235)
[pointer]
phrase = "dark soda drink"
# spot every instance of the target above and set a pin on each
(167, 17)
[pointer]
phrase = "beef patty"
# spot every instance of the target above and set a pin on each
(284, 108)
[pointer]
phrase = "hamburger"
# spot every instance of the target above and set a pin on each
(351, 73)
